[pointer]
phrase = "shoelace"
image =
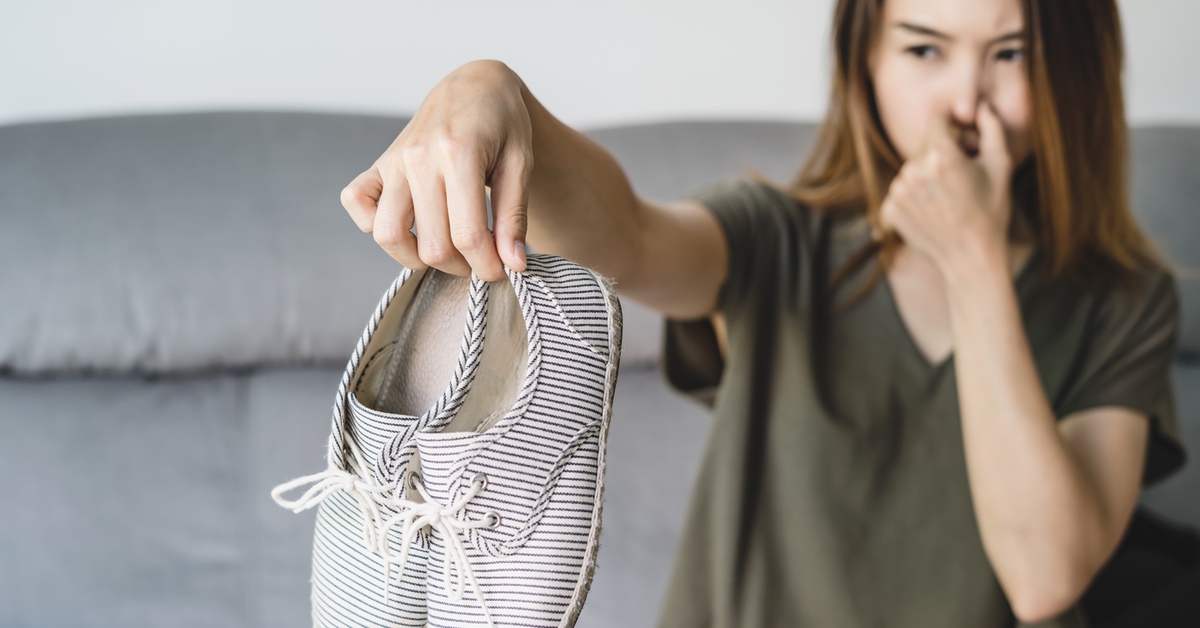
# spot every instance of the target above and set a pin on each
(412, 516)
(416, 516)
(324, 483)
(368, 494)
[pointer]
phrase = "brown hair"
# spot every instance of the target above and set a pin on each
(1073, 191)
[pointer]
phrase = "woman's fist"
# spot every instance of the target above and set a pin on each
(425, 198)
(945, 199)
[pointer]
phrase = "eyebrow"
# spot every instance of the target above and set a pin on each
(925, 30)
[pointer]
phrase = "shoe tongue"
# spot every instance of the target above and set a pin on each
(441, 467)
(372, 430)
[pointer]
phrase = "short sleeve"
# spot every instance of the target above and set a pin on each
(752, 217)
(1132, 342)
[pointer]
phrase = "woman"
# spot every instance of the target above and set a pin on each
(938, 360)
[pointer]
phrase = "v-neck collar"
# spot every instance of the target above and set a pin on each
(1019, 285)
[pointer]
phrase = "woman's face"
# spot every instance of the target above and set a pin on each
(934, 57)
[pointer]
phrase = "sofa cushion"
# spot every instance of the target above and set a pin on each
(1165, 195)
(162, 243)
(124, 502)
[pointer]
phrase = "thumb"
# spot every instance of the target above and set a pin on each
(993, 147)
(510, 207)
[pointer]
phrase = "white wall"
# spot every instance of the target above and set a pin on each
(592, 63)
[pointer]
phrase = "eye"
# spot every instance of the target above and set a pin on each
(1012, 54)
(918, 51)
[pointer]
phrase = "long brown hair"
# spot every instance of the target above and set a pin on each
(1073, 191)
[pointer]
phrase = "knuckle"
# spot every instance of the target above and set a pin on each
(434, 252)
(356, 210)
(414, 154)
(468, 238)
(451, 146)
(523, 160)
(937, 163)
(519, 219)
(356, 196)
(387, 235)
(913, 179)
(349, 197)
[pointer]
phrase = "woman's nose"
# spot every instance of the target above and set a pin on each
(967, 91)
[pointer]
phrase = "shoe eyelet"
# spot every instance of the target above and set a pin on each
(479, 480)
(492, 519)
(413, 478)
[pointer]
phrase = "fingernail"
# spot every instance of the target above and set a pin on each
(519, 251)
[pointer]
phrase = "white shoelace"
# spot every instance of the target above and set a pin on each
(324, 483)
(412, 517)
(443, 519)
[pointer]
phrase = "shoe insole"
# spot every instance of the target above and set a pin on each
(425, 348)
(501, 365)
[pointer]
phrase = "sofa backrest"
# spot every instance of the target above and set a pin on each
(182, 242)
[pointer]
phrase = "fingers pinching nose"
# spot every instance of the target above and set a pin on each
(992, 142)
(938, 129)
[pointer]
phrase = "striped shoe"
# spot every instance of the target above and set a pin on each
(510, 488)
(410, 348)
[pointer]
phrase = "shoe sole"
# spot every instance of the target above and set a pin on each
(615, 331)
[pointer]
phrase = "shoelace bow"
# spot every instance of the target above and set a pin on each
(412, 517)
(444, 519)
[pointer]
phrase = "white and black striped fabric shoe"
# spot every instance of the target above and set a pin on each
(367, 571)
(510, 488)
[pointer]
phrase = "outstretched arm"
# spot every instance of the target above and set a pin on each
(481, 135)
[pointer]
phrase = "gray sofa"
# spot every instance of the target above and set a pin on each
(180, 293)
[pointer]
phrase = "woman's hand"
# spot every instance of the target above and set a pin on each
(944, 203)
(471, 130)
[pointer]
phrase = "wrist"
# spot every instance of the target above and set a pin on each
(974, 263)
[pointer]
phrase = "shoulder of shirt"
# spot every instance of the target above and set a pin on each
(769, 197)
(1157, 296)
(1152, 282)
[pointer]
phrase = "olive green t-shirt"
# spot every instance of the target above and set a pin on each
(833, 490)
